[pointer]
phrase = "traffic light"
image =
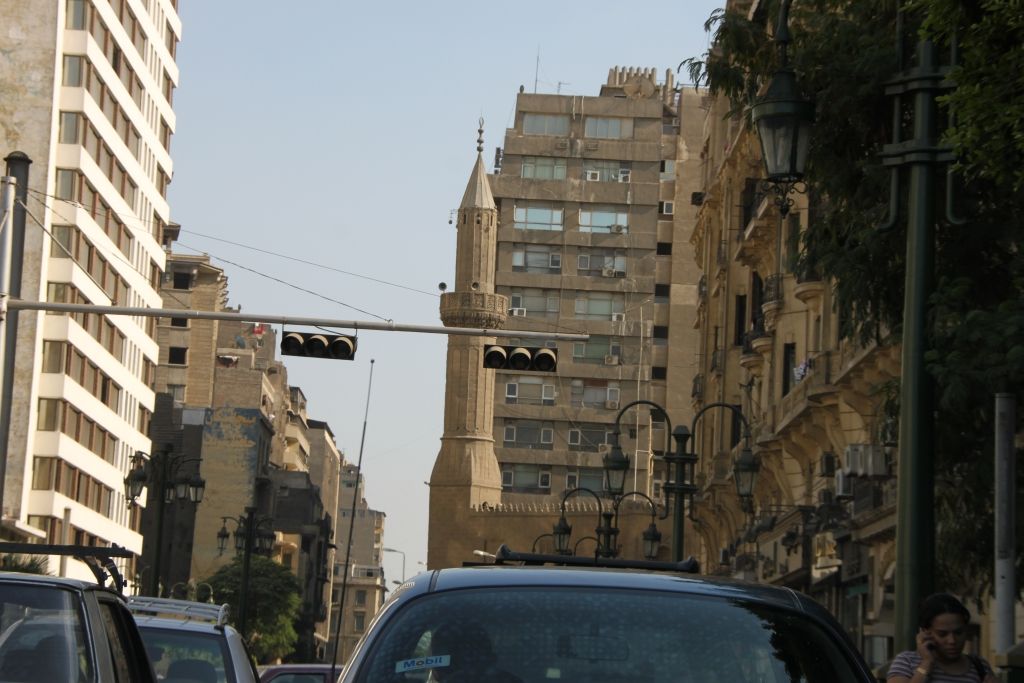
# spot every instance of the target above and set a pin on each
(523, 358)
(318, 345)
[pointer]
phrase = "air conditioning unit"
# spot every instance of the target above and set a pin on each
(873, 459)
(618, 229)
(608, 271)
(618, 317)
(853, 460)
(611, 405)
(611, 359)
(517, 312)
(593, 175)
(844, 485)
(624, 175)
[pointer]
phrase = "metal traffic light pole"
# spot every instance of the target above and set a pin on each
(26, 305)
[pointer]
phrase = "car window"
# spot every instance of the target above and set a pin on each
(117, 622)
(182, 656)
(42, 635)
(297, 678)
(531, 635)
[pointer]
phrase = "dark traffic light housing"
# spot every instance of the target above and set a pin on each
(318, 345)
(523, 358)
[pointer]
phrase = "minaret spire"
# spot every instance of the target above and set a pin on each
(480, 137)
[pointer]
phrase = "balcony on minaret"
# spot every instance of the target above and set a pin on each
(474, 309)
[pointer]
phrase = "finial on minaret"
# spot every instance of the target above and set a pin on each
(480, 137)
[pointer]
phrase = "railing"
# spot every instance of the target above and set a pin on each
(755, 332)
(697, 391)
(702, 288)
(716, 360)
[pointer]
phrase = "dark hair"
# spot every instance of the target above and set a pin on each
(940, 603)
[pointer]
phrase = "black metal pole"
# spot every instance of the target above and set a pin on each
(243, 602)
(161, 503)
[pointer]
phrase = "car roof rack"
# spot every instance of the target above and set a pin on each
(163, 607)
(506, 555)
(99, 559)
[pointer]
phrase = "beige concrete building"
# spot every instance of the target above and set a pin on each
(578, 230)
(365, 585)
(87, 94)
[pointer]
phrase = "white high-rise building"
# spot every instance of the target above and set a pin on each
(86, 93)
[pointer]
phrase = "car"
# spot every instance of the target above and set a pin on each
(64, 630)
(191, 642)
(300, 673)
(515, 623)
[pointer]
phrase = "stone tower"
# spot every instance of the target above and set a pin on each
(466, 472)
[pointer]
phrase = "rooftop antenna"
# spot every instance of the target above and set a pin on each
(536, 71)
(558, 87)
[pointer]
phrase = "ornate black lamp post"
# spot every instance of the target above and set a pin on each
(607, 527)
(251, 535)
(162, 473)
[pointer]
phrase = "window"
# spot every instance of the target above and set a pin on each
(606, 170)
(545, 124)
(544, 479)
(608, 128)
(588, 437)
(73, 66)
(177, 392)
(740, 319)
(177, 355)
(53, 356)
(67, 185)
(572, 480)
(510, 433)
(361, 597)
(659, 372)
(666, 208)
(660, 335)
(49, 414)
(537, 217)
(179, 322)
(788, 363)
(599, 305)
(70, 128)
(536, 258)
(668, 170)
(532, 434)
(664, 249)
(544, 168)
(541, 303)
(182, 280)
(601, 262)
(604, 219)
(76, 15)
(661, 293)
(507, 478)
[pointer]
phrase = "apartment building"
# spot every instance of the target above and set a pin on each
(822, 517)
(88, 88)
(586, 193)
(364, 588)
(591, 237)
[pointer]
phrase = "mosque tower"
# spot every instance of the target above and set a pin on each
(466, 473)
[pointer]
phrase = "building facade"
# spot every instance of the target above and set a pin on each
(576, 231)
(88, 98)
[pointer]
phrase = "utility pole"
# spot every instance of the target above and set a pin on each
(12, 245)
(1005, 513)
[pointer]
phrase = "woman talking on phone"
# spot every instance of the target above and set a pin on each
(939, 657)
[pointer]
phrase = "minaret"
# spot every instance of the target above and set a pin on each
(466, 472)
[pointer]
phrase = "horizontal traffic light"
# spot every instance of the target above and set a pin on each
(523, 358)
(318, 345)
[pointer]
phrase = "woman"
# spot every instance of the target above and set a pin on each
(939, 657)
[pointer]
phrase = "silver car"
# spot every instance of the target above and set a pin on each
(192, 641)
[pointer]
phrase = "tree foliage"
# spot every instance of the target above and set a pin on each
(272, 605)
(844, 53)
(31, 564)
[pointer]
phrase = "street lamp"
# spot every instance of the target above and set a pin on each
(162, 473)
(251, 535)
(402, 553)
(607, 528)
(680, 464)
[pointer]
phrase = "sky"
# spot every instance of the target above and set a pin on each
(320, 148)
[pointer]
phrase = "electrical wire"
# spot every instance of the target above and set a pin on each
(285, 282)
(310, 263)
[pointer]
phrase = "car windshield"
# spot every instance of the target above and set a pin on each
(42, 635)
(538, 635)
(181, 656)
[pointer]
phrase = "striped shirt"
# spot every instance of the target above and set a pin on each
(907, 661)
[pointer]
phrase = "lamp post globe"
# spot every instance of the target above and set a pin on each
(616, 465)
(745, 471)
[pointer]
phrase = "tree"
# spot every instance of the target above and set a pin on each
(23, 564)
(844, 53)
(272, 604)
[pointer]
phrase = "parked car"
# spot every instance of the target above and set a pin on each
(67, 631)
(300, 673)
(191, 642)
(534, 624)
